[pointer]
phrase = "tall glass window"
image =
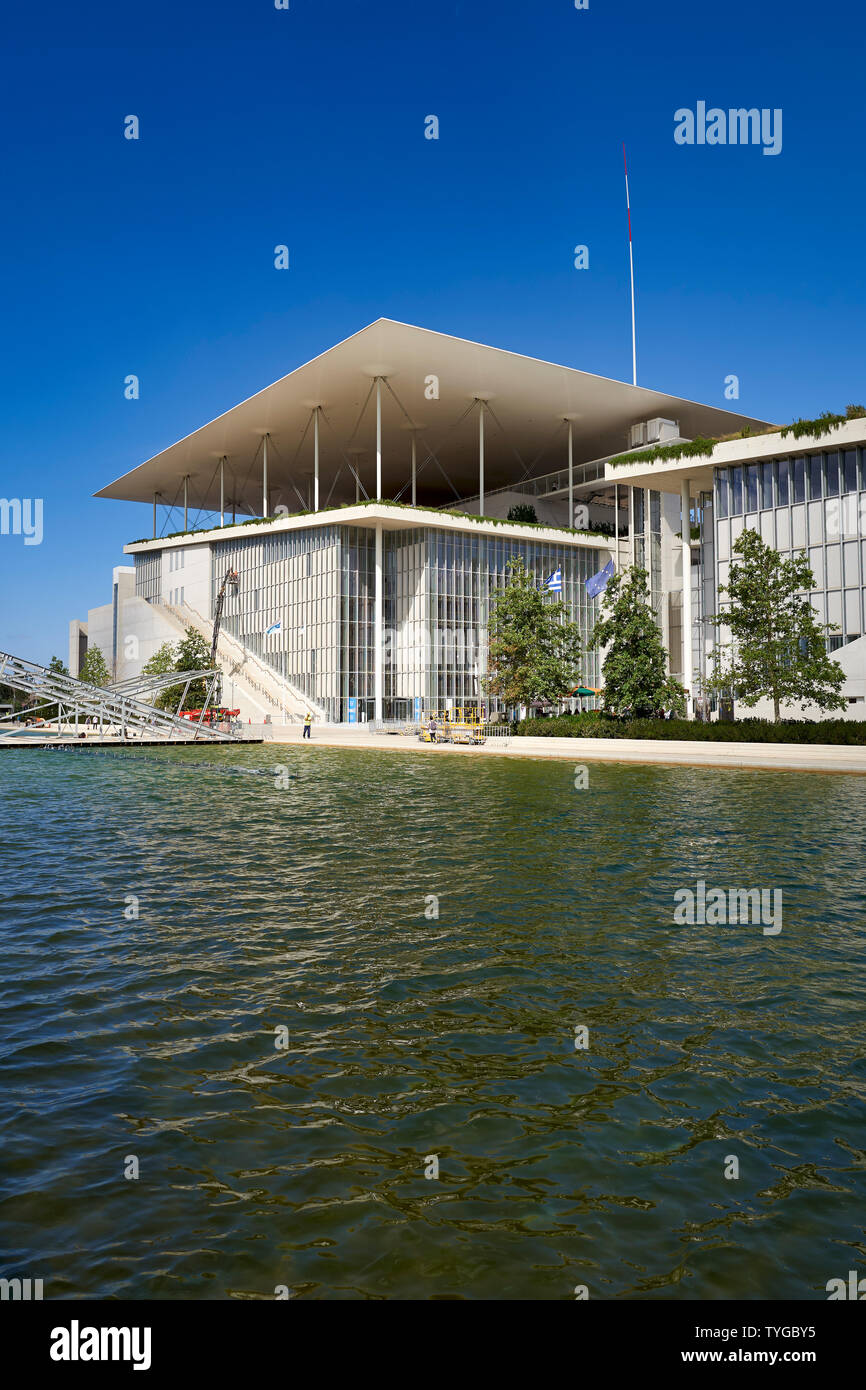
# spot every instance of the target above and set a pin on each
(736, 492)
(752, 487)
(849, 470)
(782, 481)
(721, 492)
(766, 485)
(799, 467)
(815, 478)
(831, 474)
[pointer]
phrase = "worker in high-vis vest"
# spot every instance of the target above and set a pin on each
(308, 722)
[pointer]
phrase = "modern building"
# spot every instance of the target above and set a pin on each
(363, 501)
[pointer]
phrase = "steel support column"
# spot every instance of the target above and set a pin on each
(480, 458)
(377, 630)
(264, 475)
(378, 437)
(685, 508)
(223, 491)
(414, 466)
(570, 474)
(316, 459)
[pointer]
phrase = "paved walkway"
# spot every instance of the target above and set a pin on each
(791, 756)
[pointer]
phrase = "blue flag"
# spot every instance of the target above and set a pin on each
(274, 627)
(554, 583)
(598, 583)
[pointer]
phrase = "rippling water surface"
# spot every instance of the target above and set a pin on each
(302, 907)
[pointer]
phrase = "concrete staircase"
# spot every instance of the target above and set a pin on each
(259, 690)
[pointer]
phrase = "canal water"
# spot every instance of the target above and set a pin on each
(288, 986)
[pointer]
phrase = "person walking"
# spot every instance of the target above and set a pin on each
(308, 723)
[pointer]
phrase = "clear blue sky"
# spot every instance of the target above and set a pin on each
(306, 127)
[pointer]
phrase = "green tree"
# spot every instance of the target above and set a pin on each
(779, 649)
(94, 668)
(522, 511)
(635, 667)
(533, 652)
(57, 667)
(163, 660)
(193, 654)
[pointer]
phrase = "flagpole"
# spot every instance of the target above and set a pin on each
(631, 269)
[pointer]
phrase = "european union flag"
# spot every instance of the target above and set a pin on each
(598, 583)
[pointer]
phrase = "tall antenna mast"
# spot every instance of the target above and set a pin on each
(631, 268)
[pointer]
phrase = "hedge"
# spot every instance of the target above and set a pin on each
(594, 724)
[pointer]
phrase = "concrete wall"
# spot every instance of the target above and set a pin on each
(77, 645)
(140, 629)
(145, 628)
(186, 577)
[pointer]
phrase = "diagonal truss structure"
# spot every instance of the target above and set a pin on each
(120, 708)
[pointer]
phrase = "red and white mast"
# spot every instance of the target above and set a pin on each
(631, 268)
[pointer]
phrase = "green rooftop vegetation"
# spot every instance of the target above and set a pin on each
(703, 447)
(385, 502)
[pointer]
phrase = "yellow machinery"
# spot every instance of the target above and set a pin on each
(461, 725)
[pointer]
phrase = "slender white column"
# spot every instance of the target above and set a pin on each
(414, 462)
(480, 458)
(155, 495)
(265, 475)
(316, 459)
(570, 475)
(378, 440)
(685, 506)
(631, 523)
(222, 491)
(377, 630)
(185, 501)
(616, 523)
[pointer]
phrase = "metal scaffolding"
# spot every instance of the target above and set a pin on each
(117, 711)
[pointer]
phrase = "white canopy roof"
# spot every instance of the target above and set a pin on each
(525, 428)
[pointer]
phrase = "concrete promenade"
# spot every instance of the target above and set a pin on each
(793, 757)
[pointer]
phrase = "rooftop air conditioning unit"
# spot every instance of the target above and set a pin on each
(637, 436)
(660, 431)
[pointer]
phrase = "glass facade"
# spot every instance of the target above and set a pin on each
(305, 606)
(814, 503)
(148, 576)
(648, 541)
(438, 587)
(287, 610)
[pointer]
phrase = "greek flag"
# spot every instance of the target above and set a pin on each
(274, 627)
(598, 583)
(554, 583)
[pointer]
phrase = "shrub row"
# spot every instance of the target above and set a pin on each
(594, 724)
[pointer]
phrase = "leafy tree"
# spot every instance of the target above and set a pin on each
(94, 668)
(193, 654)
(163, 660)
(533, 653)
(779, 649)
(57, 667)
(635, 667)
(10, 696)
(522, 511)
